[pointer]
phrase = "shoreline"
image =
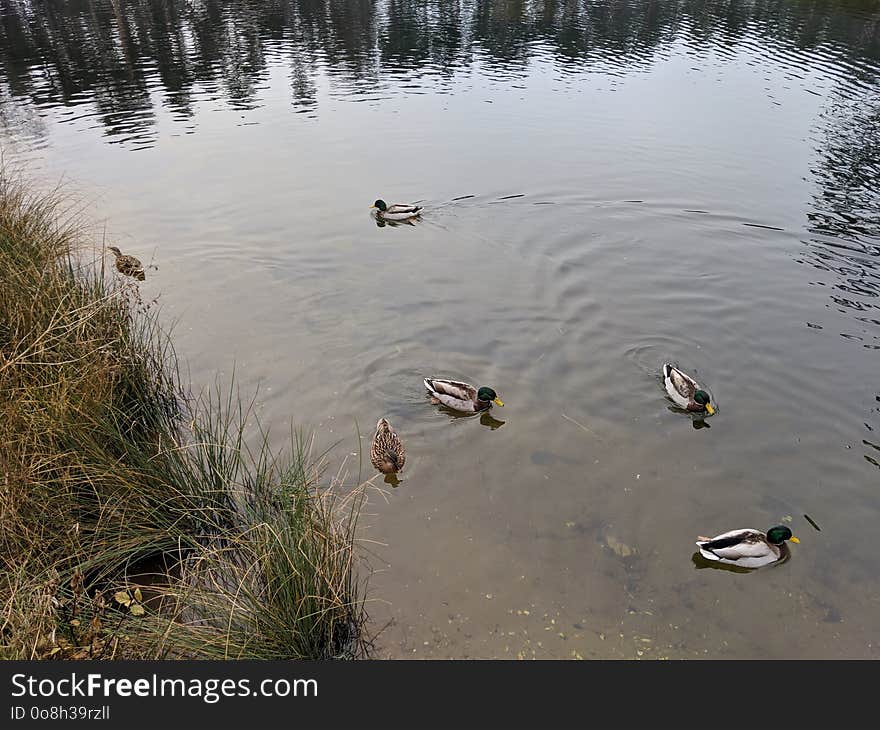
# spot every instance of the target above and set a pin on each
(138, 520)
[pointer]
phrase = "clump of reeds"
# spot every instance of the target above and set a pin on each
(109, 469)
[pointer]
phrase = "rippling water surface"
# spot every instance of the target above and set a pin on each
(607, 185)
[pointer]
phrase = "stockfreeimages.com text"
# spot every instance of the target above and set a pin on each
(209, 690)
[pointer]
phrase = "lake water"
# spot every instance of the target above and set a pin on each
(694, 181)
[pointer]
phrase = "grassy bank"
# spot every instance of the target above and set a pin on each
(136, 521)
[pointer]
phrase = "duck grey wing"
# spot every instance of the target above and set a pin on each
(454, 388)
(405, 209)
(738, 545)
(681, 382)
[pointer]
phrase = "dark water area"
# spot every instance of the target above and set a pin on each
(607, 185)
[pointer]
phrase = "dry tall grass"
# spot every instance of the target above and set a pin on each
(109, 470)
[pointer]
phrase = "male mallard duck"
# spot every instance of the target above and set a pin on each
(747, 548)
(396, 212)
(461, 396)
(387, 453)
(685, 391)
(128, 265)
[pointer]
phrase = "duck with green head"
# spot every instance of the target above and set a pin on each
(748, 548)
(461, 396)
(396, 212)
(686, 392)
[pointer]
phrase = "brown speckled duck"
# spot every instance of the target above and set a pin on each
(387, 453)
(128, 265)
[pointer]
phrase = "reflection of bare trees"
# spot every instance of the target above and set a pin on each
(849, 172)
(845, 216)
(20, 120)
(111, 52)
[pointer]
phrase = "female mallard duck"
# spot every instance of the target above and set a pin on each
(128, 265)
(461, 396)
(396, 212)
(387, 453)
(685, 391)
(747, 548)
